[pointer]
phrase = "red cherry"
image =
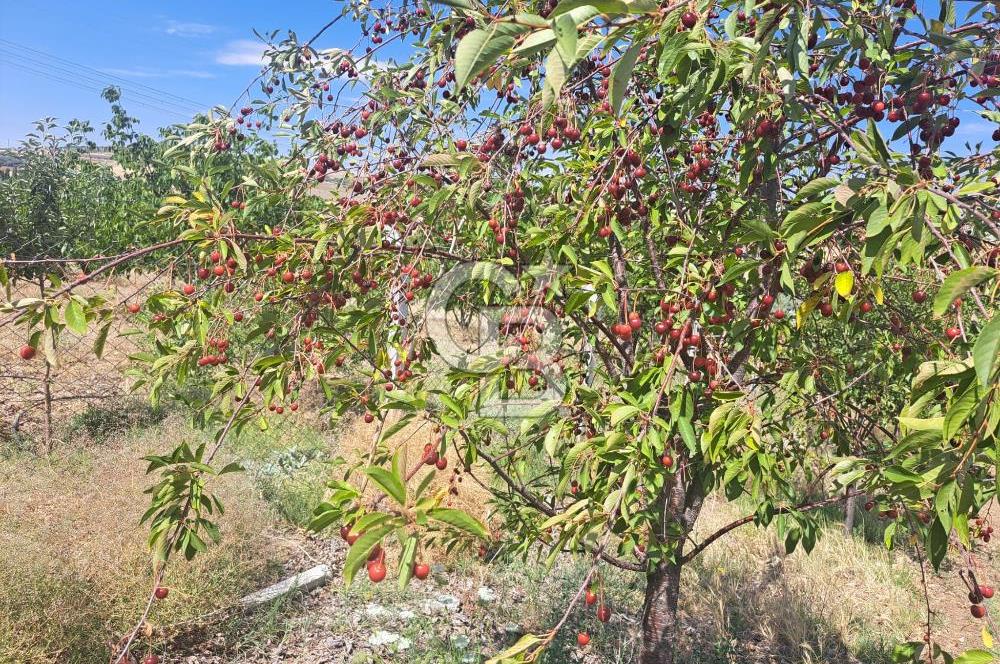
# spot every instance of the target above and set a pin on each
(133, 307)
(27, 352)
(667, 460)
(986, 592)
(376, 572)
(590, 597)
(421, 571)
(603, 613)
(188, 289)
(369, 418)
(952, 333)
(151, 659)
(583, 639)
(919, 296)
(441, 463)
(161, 592)
(977, 611)
(689, 19)
(215, 256)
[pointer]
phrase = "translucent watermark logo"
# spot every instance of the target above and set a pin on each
(481, 338)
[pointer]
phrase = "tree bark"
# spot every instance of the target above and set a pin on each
(849, 512)
(659, 615)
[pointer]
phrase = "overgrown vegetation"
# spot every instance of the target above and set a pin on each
(777, 289)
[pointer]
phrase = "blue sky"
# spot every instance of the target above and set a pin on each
(171, 59)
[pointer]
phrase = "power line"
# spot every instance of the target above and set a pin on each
(84, 86)
(156, 91)
(59, 70)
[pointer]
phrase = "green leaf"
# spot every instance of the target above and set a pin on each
(687, 433)
(975, 657)
(878, 220)
(609, 7)
(805, 217)
(516, 651)
(813, 187)
(622, 413)
(959, 411)
(388, 482)
(566, 36)
(942, 503)
(552, 437)
(406, 558)
(481, 48)
(555, 76)
(587, 44)
(985, 350)
(76, 320)
(459, 4)
(937, 543)
(957, 284)
(460, 520)
(901, 476)
(102, 339)
(536, 41)
(844, 283)
(907, 653)
(621, 76)
(922, 424)
(358, 554)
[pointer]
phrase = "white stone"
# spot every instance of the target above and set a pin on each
(376, 611)
(450, 602)
(304, 581)
(383, 638)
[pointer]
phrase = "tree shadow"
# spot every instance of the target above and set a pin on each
(752, 616)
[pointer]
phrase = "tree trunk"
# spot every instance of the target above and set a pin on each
(659, 615)
(849, 513)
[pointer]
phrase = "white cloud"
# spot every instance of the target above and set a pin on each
(241, 52)
(145, 72)
(187, 29)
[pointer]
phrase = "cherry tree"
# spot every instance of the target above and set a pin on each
(725, 249)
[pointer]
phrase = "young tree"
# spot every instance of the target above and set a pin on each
(730, 249)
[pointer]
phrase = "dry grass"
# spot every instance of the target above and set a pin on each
(356, 439)
(81, 377)
(74, 567)
(847, 596)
